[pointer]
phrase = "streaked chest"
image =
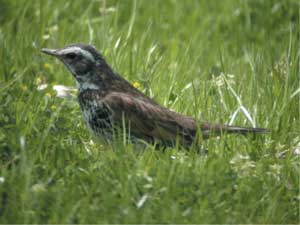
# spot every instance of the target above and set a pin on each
(96, 114)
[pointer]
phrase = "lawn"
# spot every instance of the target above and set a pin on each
(230, 61)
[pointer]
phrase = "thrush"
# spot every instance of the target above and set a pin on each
(111, 105)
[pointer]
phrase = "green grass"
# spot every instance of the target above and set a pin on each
(201, 58)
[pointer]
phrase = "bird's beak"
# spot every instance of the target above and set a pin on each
(52, 52)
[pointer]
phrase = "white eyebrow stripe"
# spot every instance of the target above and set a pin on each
(77, 50)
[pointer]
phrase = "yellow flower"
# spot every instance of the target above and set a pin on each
(38, 80)
(136, 84)
(47, 66)
(53, 107)
(24, 87)
(48, 94)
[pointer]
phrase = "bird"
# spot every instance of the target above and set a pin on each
(112, 106)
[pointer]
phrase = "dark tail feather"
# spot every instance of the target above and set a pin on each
(244, 130)
(215, 130)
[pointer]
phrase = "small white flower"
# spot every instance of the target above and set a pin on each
(173, 157)
(42, 87)
(64, 91)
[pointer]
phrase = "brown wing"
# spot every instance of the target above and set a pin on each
(149, 121)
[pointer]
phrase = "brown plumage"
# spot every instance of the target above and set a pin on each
(109, 102)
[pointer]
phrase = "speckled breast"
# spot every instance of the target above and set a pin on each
(97, 115)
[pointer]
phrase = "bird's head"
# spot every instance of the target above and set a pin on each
(82, 60)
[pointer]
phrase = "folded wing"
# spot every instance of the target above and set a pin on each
(151, 122)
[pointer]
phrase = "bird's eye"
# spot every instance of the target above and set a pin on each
(71, 55)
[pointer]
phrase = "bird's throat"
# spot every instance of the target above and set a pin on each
(86, 85)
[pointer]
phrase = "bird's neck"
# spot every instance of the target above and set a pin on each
(87, 85)
(92, 80)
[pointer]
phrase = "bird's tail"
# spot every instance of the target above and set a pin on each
(215, 130)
